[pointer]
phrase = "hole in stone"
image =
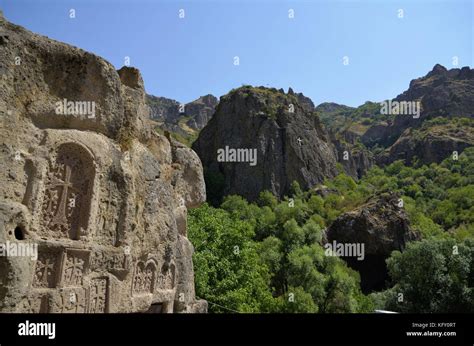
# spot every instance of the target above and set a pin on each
(19, 233)
(155, 308)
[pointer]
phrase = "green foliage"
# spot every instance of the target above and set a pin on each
(281, 265)
(437, 197)
(295, 189)
(266, 198)
(229, 271)
(432, 276)
(187, 139)
(280, 251)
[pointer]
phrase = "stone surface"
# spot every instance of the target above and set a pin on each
(354, 158)
(382, 226)
(441, 92)
(201, 111)
(196, 114)
(104, 197)
(162, 108)
(434, 144)
(290, 142)
(303, 100)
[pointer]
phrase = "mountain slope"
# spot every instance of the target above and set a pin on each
(289, 142)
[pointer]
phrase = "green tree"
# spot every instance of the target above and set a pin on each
(228, 268)
(432, 276)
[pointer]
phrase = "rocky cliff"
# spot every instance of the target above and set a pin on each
(303, 100)
(433, 141)
(200, 111)
(196, 114)
(86, 180)
(381, 225)
(288, 141)
(442, 92)
(163, 109)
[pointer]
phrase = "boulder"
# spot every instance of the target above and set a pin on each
(382, 226)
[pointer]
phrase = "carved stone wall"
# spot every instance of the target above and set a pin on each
(103, 199)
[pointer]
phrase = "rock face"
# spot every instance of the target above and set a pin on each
(86, 181)
(304, 101)
(196, 113)
(354, 158)
(162, 108)
(441, 92)
(290, 144)
(382, 227)
(434, 144)
(201, 111)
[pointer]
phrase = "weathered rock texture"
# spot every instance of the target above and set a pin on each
(201, 111)
(303, 100)
(431, 144)
(162, 108)
(355, 158)
(290, 142)
(103, 196)
(442, 92)
(196, 114)
(382, 226)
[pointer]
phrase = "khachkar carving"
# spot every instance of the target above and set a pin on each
(70, 300)
(144, 278)
(167, 276)
(109, 212)
(68, 192)
(75, 265)
(35, 303)
(46, 270)
(116, 262)
(98, 295)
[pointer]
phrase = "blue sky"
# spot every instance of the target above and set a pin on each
(184, 58)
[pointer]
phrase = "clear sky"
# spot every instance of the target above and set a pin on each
(184, 58)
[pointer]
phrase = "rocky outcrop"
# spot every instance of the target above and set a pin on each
(433, 144)
(201, 111)
(304, 101)
(289, 144)
(163, 109)
(355, 158)
(333, 115)
(382, 226)
(196, 114)
(96, 198)
(442, 92)
(332, 108)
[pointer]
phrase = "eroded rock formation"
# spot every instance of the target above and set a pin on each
(290, 141)
(84, 177)
(442, 92)
(196, 114)
(382, 225)
(290, 144)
